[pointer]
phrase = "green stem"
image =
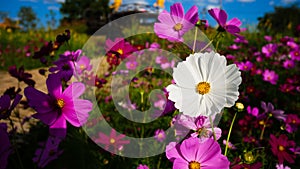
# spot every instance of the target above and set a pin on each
(263, 130)
(209, 43)
(227, 141)
(212, 127)
(195, 37)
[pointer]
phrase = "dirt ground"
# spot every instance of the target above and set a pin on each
(8, 81)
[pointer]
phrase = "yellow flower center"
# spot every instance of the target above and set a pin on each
(249, 156)
(112, 141)
(194, 165)
(281, 148)
(261, 122)
(60, 103)
(120, 51)
(294, 121)
(82, 67)
(178, 27)
(240, 106)
(203, 88)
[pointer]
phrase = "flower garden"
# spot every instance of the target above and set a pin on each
(183, 95)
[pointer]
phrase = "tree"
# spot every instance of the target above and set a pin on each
(94, 13)
(51, 22)
(283, 20)
(28, 19)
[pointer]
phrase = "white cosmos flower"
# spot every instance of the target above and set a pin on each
(204, 84)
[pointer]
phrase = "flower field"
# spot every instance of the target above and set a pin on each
(176, 94)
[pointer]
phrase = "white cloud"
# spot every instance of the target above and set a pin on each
(212, 6)
(246, 1)
(54, 8)
(214, 1)
(271, 3)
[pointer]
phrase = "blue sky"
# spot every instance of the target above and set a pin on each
(246, 10)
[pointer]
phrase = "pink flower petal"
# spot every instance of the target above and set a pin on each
(177, 10)
(192, 15)
(191, 149)
(75, 90)
(164, 17)
(172, 151)
(234, 21)
(180, 164)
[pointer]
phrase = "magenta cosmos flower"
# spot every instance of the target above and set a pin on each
(292, 122)
(113, 142)
(83, 64)
(160, 135)
(59, 106)
(174, 25)
(280, 148)
(270, 76)
(232, 26)
(142, 167)
(269, 49)
(245, 66)
(192, 154)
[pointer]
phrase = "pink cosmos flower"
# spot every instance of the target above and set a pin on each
(192, 154)
(253, 111)
(268, 38)
(83, 64)
(174, 25)
(230, 145)
(295, 55)
(48, 152)
(270, 76)
(288, 64)
(281, 166)
(141, 166)
(232, 26)
(280, 148)
(113, 142)
(118, 50)
(245, 66)
(164, 63)
(292, 45)
(234, 47)
(59, 106)
(286, 88)
(200, 125)
(241, 40)
(269, 49)
(292, 122)
(131, 64)
(160, 135)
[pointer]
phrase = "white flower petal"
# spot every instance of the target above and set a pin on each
(184, 74)
(233, 80)
(208, 67)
